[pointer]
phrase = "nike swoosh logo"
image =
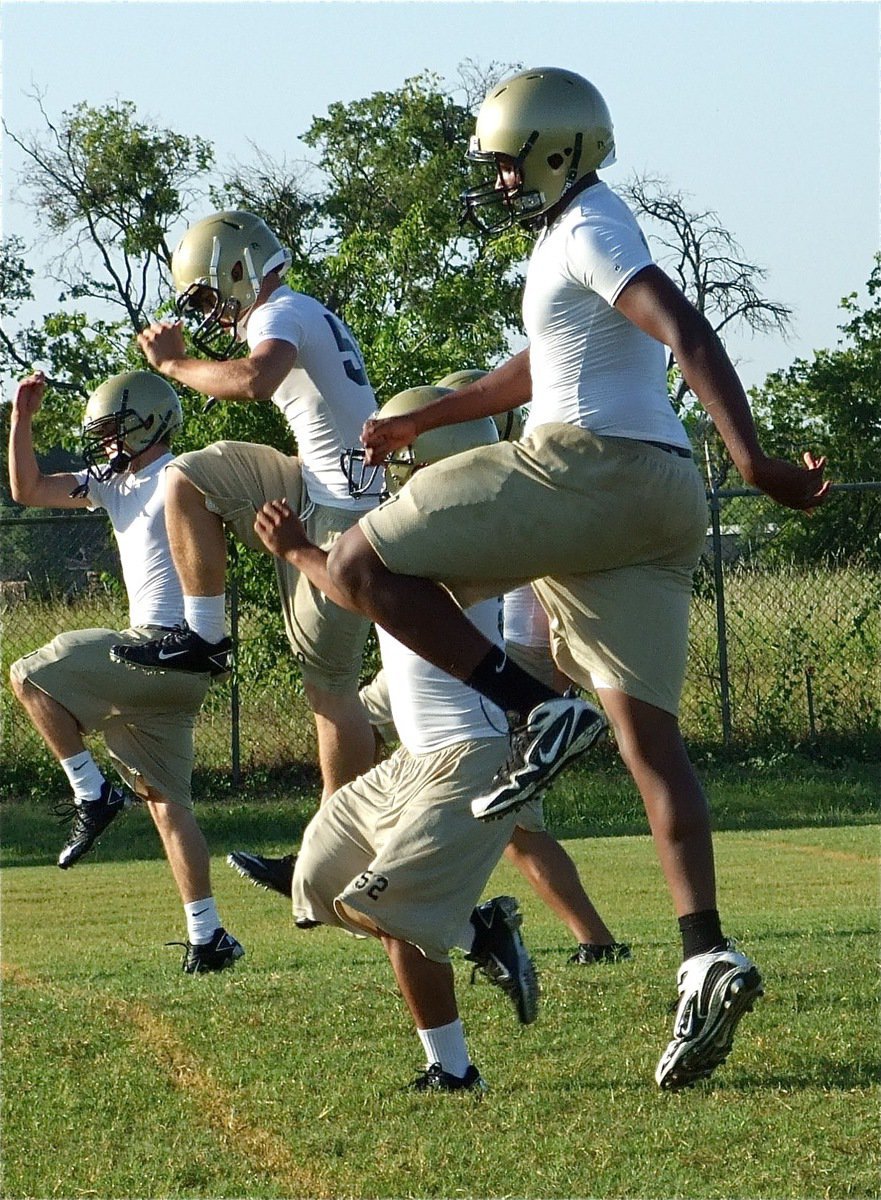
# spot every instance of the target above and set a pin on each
(164, 654)
(502, 665)
(199, 913)
(688, 1023)
(547, 754)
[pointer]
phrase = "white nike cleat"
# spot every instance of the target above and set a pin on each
(556, 731)
(715, 990)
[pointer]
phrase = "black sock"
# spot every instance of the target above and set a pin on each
(701, 931)
(506, 684)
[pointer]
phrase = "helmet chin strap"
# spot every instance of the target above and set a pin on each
(547, 218)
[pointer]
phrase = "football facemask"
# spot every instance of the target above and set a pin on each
(426, 448)
(124, 417)
(213, 322)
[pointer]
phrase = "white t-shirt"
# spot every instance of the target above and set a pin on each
(326, 397)
(135, 504)
(432, 709)
(525, 621)
(591, 367)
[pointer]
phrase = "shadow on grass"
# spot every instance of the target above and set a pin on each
(594, 798)
(270, 816)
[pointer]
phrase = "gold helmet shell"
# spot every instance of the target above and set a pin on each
(509, 424)
(434, 444)
(124, 416)
(218, 267)
(556, 128)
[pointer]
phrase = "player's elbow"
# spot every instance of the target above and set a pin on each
(257, 387)
(24, 492)
(353, 567)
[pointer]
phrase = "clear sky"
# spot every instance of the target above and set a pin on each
(767, 113)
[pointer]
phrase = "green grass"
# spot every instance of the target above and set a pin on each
(123, 1077)
(804, 655)
(789, 628)
(592, 798)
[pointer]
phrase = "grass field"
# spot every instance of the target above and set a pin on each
(282, 1078)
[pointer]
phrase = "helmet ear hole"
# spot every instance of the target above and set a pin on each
(237, 272)
(555, 161)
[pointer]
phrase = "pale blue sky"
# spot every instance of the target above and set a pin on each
(767, 113)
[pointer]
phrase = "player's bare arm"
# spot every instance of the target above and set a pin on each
(253, 378)
(656, 305)
(27, 483)
(507, 387)
(282, 533)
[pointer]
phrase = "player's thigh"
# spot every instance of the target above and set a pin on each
(558, 502)
(338, 844)
(432, 864)
(237, 479)
(327, 641)
(624, 629)
(76, 670)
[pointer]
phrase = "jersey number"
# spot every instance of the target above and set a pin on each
(373, 883)
(352, 363)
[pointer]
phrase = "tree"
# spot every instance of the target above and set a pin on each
(831, 404)
(379, 240)
(108, 187)
(708, 264)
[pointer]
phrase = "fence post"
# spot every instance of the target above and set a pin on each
(721, 627)
(234, 707)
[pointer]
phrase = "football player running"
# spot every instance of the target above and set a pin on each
(395, 853)
(228, 272)
(532, 850)
(600, 503)
(71, 686)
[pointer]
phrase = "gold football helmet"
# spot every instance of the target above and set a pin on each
(125, 416)
(509, 424)
(460, 379)
(556, 128)
(217, 268)
(426, 448)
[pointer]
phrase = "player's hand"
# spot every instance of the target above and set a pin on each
(280, 531)
(794, 486)
(161, 343)
(29, 395)
(383, 435)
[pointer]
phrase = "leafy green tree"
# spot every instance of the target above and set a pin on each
(831, 404)
(108, 188)
(384, 247)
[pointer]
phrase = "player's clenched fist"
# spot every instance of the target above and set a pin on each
(29, 395)
(162, 343)
(381, 436)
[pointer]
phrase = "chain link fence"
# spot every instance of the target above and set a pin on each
(784, 651)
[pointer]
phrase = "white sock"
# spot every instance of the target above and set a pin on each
(84, 775)
(202, 920)
(206, 615)
(446, 1045)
